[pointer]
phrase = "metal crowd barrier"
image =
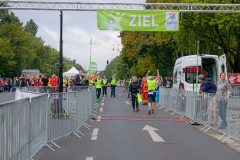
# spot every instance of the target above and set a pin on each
(52, 89)
(218, 112)
(26, 125)
(23, 127)
(236, 90)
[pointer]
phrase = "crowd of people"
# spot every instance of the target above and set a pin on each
(8, 84)
(147, 88)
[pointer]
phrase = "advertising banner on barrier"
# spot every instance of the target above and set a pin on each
(137, 20)
(234, 79)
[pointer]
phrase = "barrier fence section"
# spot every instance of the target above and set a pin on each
(51, 89)
(218, 112)
(26, 125)
(23, 127)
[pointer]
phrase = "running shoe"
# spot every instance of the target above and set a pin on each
(137, 110)
(134, 110)
(152, 110)
(149, 112)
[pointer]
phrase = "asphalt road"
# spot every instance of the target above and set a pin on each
(6, 96)
(125, 139)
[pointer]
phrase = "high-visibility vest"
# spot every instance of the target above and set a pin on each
(130, 82)
(99, 85)
(91, 80)
(113, 82)
(151, 84)
(104, 82)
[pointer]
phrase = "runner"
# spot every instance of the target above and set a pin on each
(151, 91)
(113, 85)
(98, 87)
(144, 91)
(133, 91)
(104, 86)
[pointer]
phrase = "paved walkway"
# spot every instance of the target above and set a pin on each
(6, 96)
(122, 137)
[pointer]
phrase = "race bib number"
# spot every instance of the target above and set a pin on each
(151, 92)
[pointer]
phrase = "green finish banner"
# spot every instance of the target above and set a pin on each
(137, 20)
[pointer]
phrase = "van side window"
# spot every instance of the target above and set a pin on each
(223, 68)
(175, 77)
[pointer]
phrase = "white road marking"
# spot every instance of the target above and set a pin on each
(119, 94)
(94, 134)
(153, 134)
(99, 119)
(103, 100)
(127, 102)
(101, 109)
(102, 104)
(103, 97)
(89, 158)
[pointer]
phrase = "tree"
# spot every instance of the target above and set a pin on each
(31, 27)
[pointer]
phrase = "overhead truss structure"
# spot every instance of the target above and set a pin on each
(86, 6)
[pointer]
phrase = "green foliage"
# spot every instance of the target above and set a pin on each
(219, 33)
(21, 49)
(110, 69)
(31, 27)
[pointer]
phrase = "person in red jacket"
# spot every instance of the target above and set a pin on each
(144, 91)
(54, 82)
(2, 85)
(34, 81)
(40, 83)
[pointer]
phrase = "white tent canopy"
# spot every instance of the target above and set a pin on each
(72, 72)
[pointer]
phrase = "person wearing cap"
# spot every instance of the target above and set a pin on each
(208, 86)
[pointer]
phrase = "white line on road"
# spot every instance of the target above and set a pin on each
(102, 104)
(89, 158)
(101, 109)
(94, 134)
(99, 119)
(127, 102)
(153, 134)
(119, 94)
(103, 100)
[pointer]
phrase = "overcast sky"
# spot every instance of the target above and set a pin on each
(78, 28)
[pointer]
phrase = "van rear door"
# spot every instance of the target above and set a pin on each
(222, 67)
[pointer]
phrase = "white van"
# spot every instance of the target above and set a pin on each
(184, 73)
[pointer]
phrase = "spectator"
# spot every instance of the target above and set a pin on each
(78, 79)
(28, 81)
(223, 90)
(208, 86)
(85, 81)
(169, 82)
(54, 82)
(2, 85)
(23, 82)
(40, 83)
(45, 83)
(65, 83)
